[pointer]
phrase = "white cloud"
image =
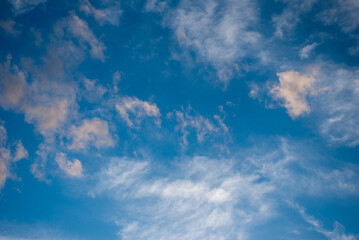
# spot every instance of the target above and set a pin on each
(9, 27)
(107, 15)
(306, 50)
(46, 94)
(333, 93)
(133, 110)
(122, 174)
(13, 84)
(195, 201)
(93, 91)
(205, 128)
(338, 233)
(92, 132)
(20, 152)
(339, 104)
(293, 88)
(71, 168)
(289, 18)
(219, 32)
(45, 104)
(343, 13)
(48, 116)
(7, 160)
(4, 172)
(79, 29)
(22, 6)
(206, 198)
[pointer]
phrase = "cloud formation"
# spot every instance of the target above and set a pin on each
(23, 6)
(133, 110)
(306, 50)
(208, 198)
(338, 105)
(199, 203)
(92, 132)
(80, 30)
(9, 26)
(188, 120)
(109, 15)
(293, 88)
(338, 233)
(7, 158)
(218, 32)
(71, 168)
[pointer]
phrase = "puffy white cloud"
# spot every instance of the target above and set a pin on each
(71, 168)
(22, 6)
(133, 110)
(92, 132)
(293, 88)
(46, 94)
(109, 15)
(48, 116)
(45, 104)
(188, 120)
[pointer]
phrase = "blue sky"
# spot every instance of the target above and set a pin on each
(230, 119)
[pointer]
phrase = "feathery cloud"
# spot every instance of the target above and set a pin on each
(188, 120)
(133, 110)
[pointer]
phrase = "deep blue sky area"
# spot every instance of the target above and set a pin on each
(179, 120)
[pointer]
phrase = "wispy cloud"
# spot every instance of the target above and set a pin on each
(80, 30)
(109, 14)
(338, 233)
(306, 50)
(219, 32)
(133, 110)
(343, 13)
(23, 6)
(287, 21)
(216, 198)
(188, 120)
(198, 200)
